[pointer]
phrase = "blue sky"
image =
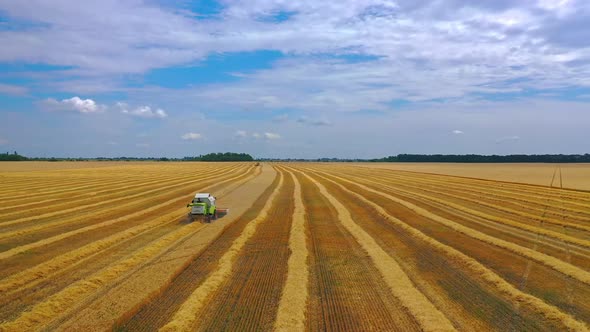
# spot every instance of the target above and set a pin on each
(356, 79)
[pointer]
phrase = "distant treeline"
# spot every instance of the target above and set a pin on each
(11, 157)
(476, 158)
(227, 156)
(401, 158)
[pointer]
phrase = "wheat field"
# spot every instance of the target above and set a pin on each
(306, 246)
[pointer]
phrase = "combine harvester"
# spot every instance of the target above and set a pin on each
(203, 207)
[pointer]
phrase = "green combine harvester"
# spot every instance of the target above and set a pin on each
(203, 207)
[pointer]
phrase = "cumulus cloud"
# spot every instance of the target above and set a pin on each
(506, 139)
(491, 41)
(142, 111)
(75, 104)
(457, 132)
(191, 136)
(242, 134)
(272, 136)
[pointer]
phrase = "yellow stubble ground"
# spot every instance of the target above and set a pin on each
(574, 176)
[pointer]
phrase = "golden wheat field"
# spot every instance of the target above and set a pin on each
(572, 176)
(305, 246)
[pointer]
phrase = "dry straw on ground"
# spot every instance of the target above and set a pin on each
(513, 294)
(427, 315)
(291, 312)
(185, 317)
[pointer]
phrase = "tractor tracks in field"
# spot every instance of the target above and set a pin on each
(129, 194)
(557, 264)
(248, 298)
(32, 275)
(185, 317)
(552, 314)
(292, 307)
(417, 305)
(77, 294)
(496, 218)
(87, 195)
(162, 305)
(173, 198)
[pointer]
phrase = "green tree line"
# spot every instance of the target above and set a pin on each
(476, 158)
(227, 156)
(11, 157)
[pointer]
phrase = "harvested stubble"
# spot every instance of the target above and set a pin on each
(429, 317)
(75, 294)
(291, 312)
(552, 262)
(30, 277)
(506, 221)
(516, 296)
(65, 301)
(347, 291)
(560, 207)
(185, 317)
(528, 212)
(369, 249)
(110, 199)
(151, 314)
(138, 213)
(249, 298)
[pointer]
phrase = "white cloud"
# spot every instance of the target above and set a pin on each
(191, 136)
(75, 104)
(242, 134)
(457, 132)
(502, 39)
(272, 136)
(142, 111)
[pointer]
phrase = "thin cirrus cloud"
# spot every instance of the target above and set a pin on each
(191, 136)
(75, 104)
(314, 121)
(241, 134)
(15, 90)
(272, 136)
(142, 111)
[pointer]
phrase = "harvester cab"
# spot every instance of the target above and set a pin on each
(202, 206)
